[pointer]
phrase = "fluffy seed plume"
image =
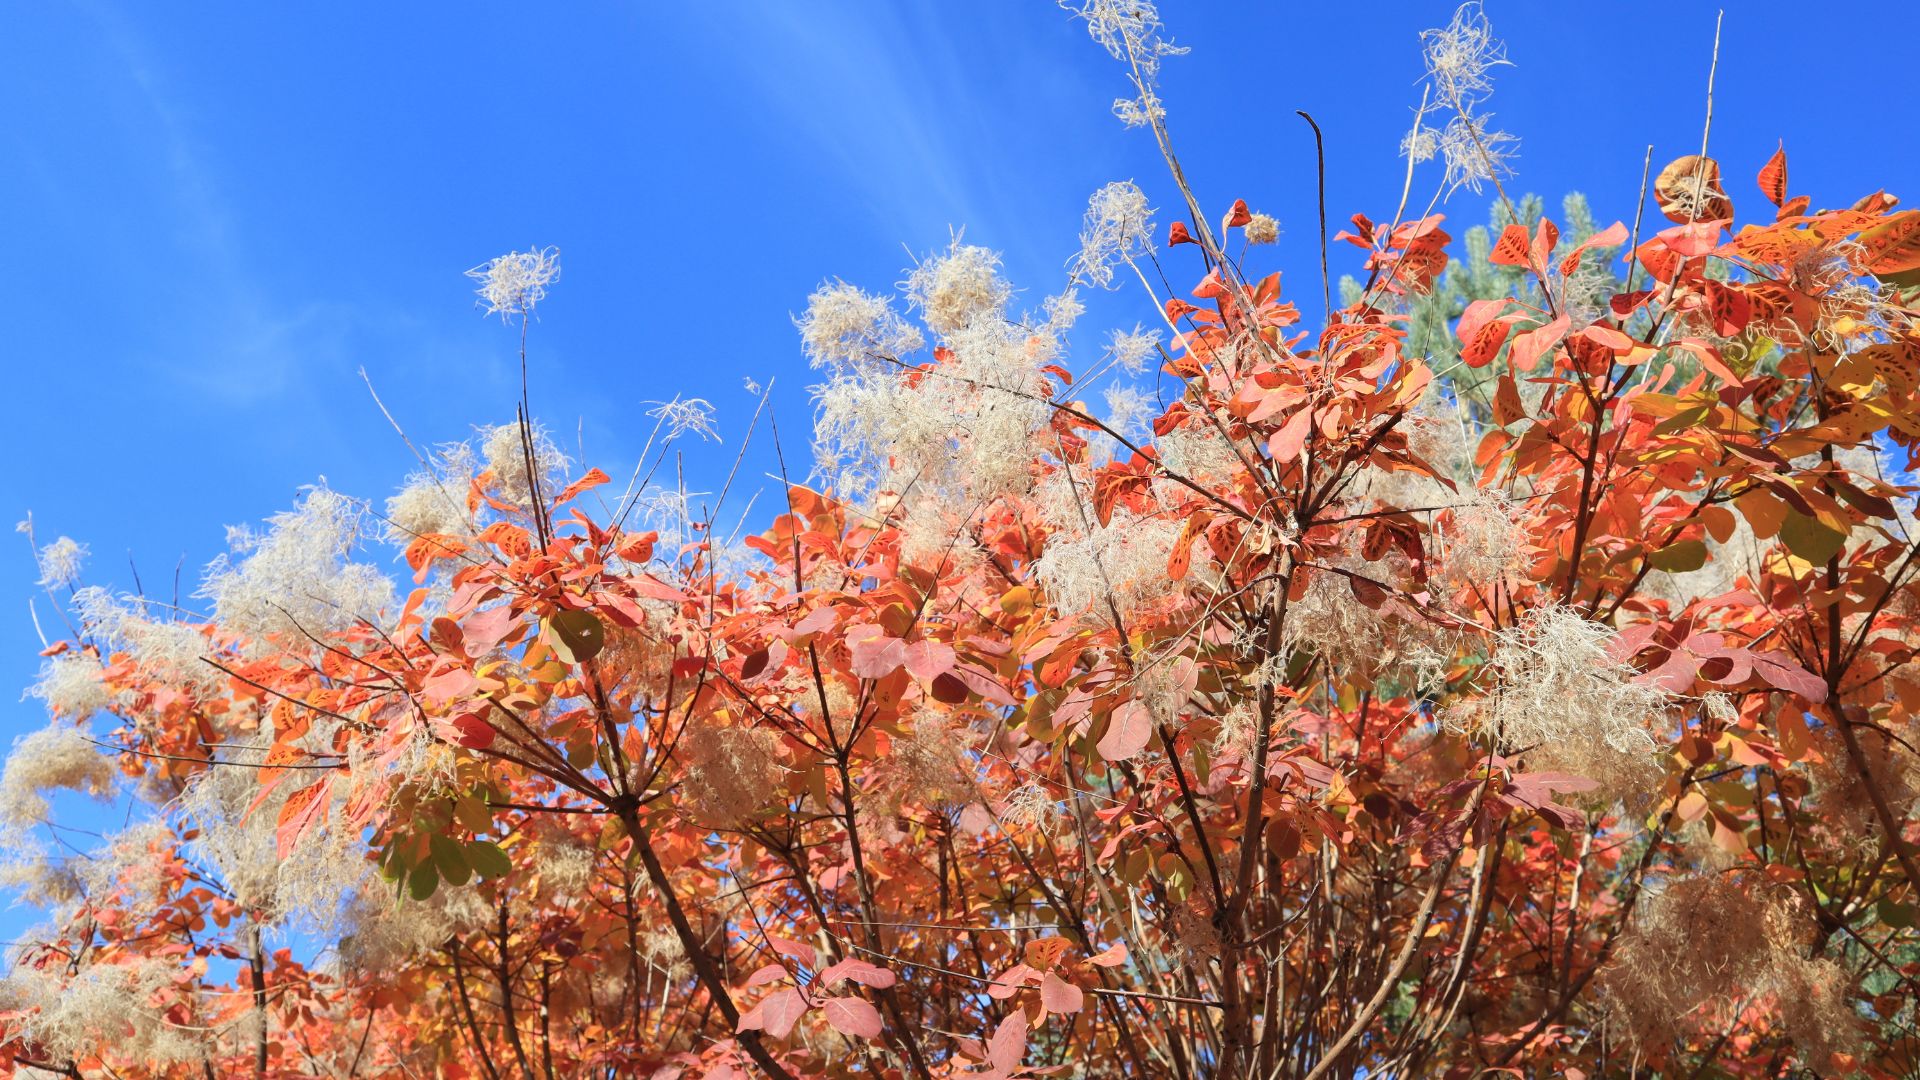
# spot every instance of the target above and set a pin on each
(516, 282)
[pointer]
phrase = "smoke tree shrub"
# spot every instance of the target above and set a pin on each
(1546, 708)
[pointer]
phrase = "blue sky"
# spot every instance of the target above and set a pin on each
(220, 212)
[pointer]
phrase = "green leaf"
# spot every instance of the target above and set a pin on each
(1897, 915)
(424, 881)
(1681, 557)
(576, 635)
(473, 812)
(488, 860)
(448, 859)
(1810, 538)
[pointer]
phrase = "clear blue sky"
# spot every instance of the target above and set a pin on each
(219, 212)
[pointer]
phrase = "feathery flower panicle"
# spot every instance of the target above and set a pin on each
(384, 931)
(1063, 311)
(1030, 807)
(952, 290)
(1130, 411)
(1700, 943)
(1118, 227)
(1557, 693)
(516, 282)
(133, 866)
(433, 501)
(103, 1003)
(427, 506)
(1420, 144)
(1481, 540)
(41, 881)
(1131, 349)
(504, 450)
(173, 651)
(60, 562)
(682, 415)
(1262, 229)
(1459, 55)
(730, 772)
(296, 578)
(57, 757)
(73, 687)
(1474, 153)
(238, 839)
(1125, 559)
(964, 429)
(1130, 31)
(845, 327)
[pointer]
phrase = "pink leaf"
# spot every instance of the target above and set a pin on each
(776, 1014)
(1010, 982)
(858, 971)
(1286, 443)
(1779, 670)
(767, 974)
(851, 1016)
(818, 619)
(487, 629)
(875, 655)
(1112, 957)
(1612, 236)
(455, 682)
(1009, 1042)
(795, 949)
(1061, 996)
(1528, 348)
(1128, 732)
(929, 659)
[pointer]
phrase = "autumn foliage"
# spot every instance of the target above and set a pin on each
(1549, 714)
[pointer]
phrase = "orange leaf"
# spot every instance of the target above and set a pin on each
(1773, 177)
(1507, 409)
(593, 479)
(303, 811)
(1044, 953)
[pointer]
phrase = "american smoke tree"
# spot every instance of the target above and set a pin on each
(1507, 671)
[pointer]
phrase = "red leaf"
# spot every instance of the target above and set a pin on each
(754, 664)
(1780, 670)
(473, 731)
(949, 689)
(1709, 358)
(1612, 236)
(1177, 234)
(851, 1016)
(485, 630)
